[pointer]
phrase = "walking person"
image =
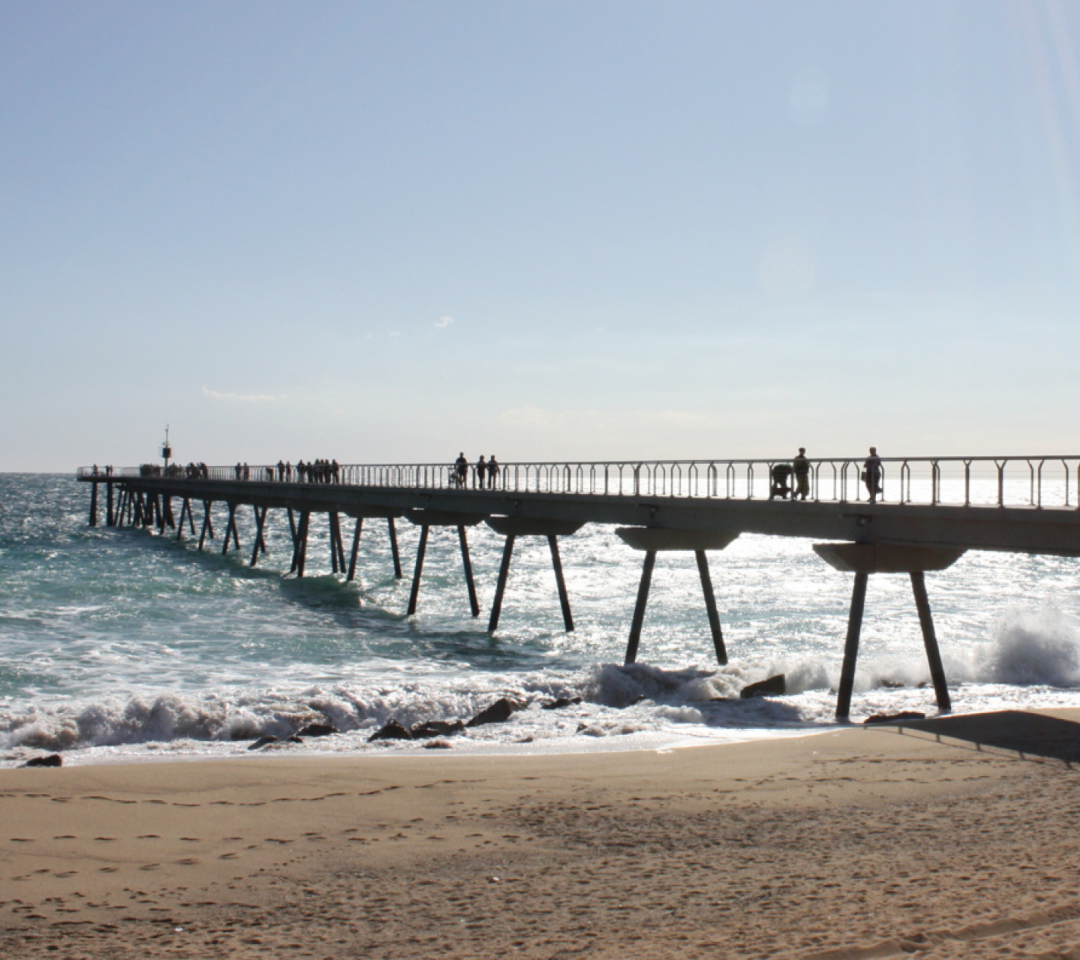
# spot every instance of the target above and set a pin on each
(872, 475)
(481, 472)
(493, 470)
(461, 469)
(801, 467)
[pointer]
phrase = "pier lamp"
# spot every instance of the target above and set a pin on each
(166, 450)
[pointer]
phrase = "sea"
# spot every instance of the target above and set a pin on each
(123, 645)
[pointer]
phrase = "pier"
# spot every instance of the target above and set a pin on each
(928, 513)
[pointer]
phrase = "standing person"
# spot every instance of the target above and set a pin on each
(493, 470)
(481, 471)
(872, 475)
(801, 466)
(461, 469)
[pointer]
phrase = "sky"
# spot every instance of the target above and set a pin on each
(546, 230)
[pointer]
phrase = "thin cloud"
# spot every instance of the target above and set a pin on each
(242, 397)
(443, 322)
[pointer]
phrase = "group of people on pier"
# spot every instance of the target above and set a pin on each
(484, 472)
(781, 475)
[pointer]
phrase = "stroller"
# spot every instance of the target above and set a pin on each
(780, 481)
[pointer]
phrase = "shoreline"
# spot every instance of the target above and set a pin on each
(835, 844)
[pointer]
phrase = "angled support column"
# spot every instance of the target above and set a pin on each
(110, 516)
(337, 547)
(639, 607)
(863, 559)
(421, 549)
(654, 539)
(392, 530)
(207, 524)
(299, 557)
(474, 604)
(93, 503)
(260, 544)
(500, 587)
(710, 607)
(425, 519)
(560, 583)
(514, 527)
(230, 530)
(851, 646)
(933, 654)
(185, 509)
(355, 548)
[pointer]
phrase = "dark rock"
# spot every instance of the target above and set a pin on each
(274, 741)
(317, 730)
(560, 703)
(499, 712)
(436, 745)
(52, 760)
(895, 717)
(391, 731)
(893, 684)
(774, 686)
(436, 728)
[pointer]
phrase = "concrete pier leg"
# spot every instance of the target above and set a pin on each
(339, 543)
(420, 551)
(110, 516)
(185, 505)
(500, 587)
(355, 548)
(260, 546)
(933, 655)
(93, 504)
(331, 533)
(169, 520)
(851, 646)
(190, 516)
(207, 524)
(467, 564)
(639, 607)
(292, 525)
(392, 529)
(230, 530)
(301, 542)
(560, 582)
(710, 606)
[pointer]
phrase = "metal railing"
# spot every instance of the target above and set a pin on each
(1044, 482)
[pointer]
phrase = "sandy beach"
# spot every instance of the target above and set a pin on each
(868, 842)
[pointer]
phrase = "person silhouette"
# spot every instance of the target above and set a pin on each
(801, 468)
(872, 474)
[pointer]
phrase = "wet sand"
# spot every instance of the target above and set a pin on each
(931, 841)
